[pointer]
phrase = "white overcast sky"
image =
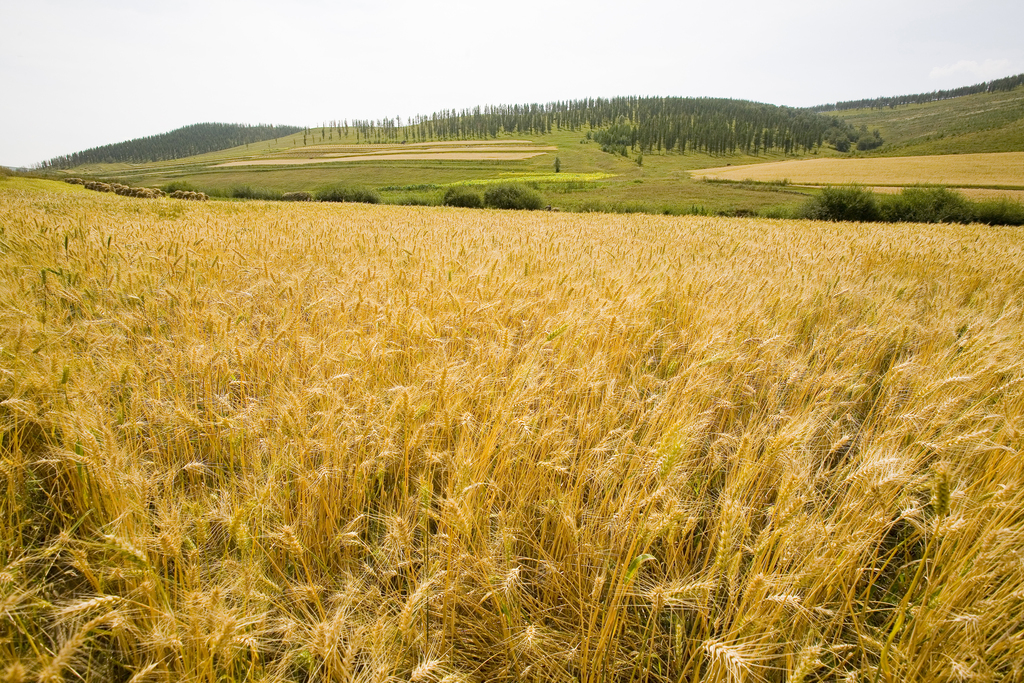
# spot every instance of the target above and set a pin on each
(76, 74)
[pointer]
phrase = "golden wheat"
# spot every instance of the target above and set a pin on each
(360, 443)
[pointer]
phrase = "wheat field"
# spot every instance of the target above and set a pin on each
(997, 169)
(282, 442)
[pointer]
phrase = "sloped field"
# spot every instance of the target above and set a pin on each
(1005, 169)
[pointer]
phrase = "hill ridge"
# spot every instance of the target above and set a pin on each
(191, 140)
(998, 85)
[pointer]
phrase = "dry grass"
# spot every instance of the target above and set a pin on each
(956, 170)
(361, 443)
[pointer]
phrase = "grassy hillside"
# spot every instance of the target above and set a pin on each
(986, 122)
(187, 141)
(661, 183)
(617, 177)
(282, 442)
(635, 143)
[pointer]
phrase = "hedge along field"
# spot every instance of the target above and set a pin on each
(973, 193)
(1003, 169)
(291, 442)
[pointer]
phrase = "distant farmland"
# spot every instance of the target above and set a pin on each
(468, 150)
(994, 170)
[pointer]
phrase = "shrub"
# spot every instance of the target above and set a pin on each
(249, 192)
(512, 196)
(463, 196)
(926, 205)
(999, 212)
(348, 194)
(872, 141)
(912, 205)
(297, 197)
(842, 203)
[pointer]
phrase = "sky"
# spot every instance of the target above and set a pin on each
(76, 75)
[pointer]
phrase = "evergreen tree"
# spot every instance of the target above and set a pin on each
(191, 140)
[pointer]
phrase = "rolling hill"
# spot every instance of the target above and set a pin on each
(983, 122)
(181, 142)
(623, 154)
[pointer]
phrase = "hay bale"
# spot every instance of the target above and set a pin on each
(189, 195)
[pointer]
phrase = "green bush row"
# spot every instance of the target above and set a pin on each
(912, 205)
(348, 194)
(249, 192)
(503, 196)
(329, 194)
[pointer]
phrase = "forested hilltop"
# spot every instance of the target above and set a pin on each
(998, 85)
(683, 124)
(187, 141)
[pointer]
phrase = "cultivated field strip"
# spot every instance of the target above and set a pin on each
(456, 155)
(285, 442)
(1000, 169)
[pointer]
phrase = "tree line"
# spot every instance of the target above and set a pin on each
(187, 141)
(643, 124)
(684, 124)
(998, 85)
(712, 126)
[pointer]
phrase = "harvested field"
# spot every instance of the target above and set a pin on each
(308, 442)
(1004, 169)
